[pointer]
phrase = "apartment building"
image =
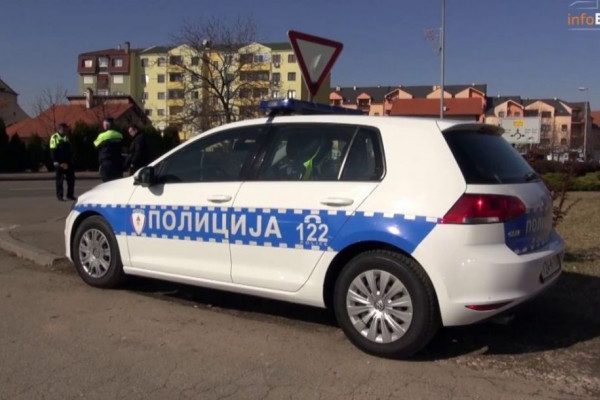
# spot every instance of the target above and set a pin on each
(111, 72)
(466, 102)
(563, 124)
(153, 71)
(167, 81)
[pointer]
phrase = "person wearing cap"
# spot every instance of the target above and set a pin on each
(109, 145)
(60, 149)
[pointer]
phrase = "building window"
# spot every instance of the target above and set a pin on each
(275, 94)
(501, 114)
(145, 96)
(102, 92)
(160, 78)
(275, 77)
(118, 79)
(259, 93)
(246, 58)
(228, 59)
(276, 58)
(216, 65)
(144, 62)
(88, 80)
(174, 110)
(517, 113)
(88, 63)
(229, 78)
(254, 75)
(531, 113)
(176, 94)
(195, 95)
(195, 60)
(175, 60)
(145, 80)
(291, 58)
(291, 94)
(117, 62)
(546, 114)
(291, 76)
(563, 128)
(195, 78)
(103, 62)
(161, 62)
(160, 112)
(546, 128)
(563, 142)
(245, 93)
(175, 77)
(148, 112)
(161, 95)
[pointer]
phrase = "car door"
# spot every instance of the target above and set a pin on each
(312, 178)
(180, 223)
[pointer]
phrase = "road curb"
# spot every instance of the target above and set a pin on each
(23, 250)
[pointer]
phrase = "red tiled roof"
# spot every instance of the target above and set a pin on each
(596, 117)
(431, 107)
(43, 124)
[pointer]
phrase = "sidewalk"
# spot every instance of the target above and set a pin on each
(44, 176)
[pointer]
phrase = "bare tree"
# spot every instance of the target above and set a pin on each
(45, 106)
(222, 71)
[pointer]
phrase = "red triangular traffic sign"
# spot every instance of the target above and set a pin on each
(315, 56)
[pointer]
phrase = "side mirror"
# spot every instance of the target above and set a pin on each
(144, 177)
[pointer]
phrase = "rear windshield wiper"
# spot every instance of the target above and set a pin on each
(531, 176)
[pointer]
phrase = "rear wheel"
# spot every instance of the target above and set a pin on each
(385, 304)
(96, 254)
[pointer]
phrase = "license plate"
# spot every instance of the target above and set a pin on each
(550, 267)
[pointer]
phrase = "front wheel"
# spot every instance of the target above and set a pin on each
(96, 254)
(385, 304)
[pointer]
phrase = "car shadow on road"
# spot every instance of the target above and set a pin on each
(566, 314)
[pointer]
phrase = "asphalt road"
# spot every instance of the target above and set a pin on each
(60, 339)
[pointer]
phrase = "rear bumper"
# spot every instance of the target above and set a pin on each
(485, 275)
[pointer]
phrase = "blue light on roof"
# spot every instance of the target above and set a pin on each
(300, 107)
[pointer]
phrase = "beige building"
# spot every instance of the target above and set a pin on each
(153, 70)
(10, 111)
(562, 124)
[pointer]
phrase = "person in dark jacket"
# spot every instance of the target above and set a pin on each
(109, 145)
(138, 150)
(60, 147)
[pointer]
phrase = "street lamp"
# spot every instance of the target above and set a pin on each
(585, 129)
(443, 55)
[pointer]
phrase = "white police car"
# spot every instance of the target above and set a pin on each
(399, 225)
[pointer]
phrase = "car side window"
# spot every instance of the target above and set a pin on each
(365, 158)
(218, 158)
(306, 152)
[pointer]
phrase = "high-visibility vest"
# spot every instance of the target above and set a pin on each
(57, 139)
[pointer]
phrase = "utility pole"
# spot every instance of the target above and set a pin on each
(443, 51)
(585, 129)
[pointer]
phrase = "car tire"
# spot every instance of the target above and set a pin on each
(386, 304)
(96, 254)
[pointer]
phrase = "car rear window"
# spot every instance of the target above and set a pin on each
(487, 158)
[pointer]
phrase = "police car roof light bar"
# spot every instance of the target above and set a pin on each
(300, 107)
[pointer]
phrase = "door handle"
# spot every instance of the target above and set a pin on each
(337, 201)
(219, 198)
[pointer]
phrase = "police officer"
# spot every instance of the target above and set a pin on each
(109, 145)
(60, 147)
(138, 150)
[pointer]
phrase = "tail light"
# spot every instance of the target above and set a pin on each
(484, 209)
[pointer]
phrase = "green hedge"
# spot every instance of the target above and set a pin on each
(18, 155)
(587, 182)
